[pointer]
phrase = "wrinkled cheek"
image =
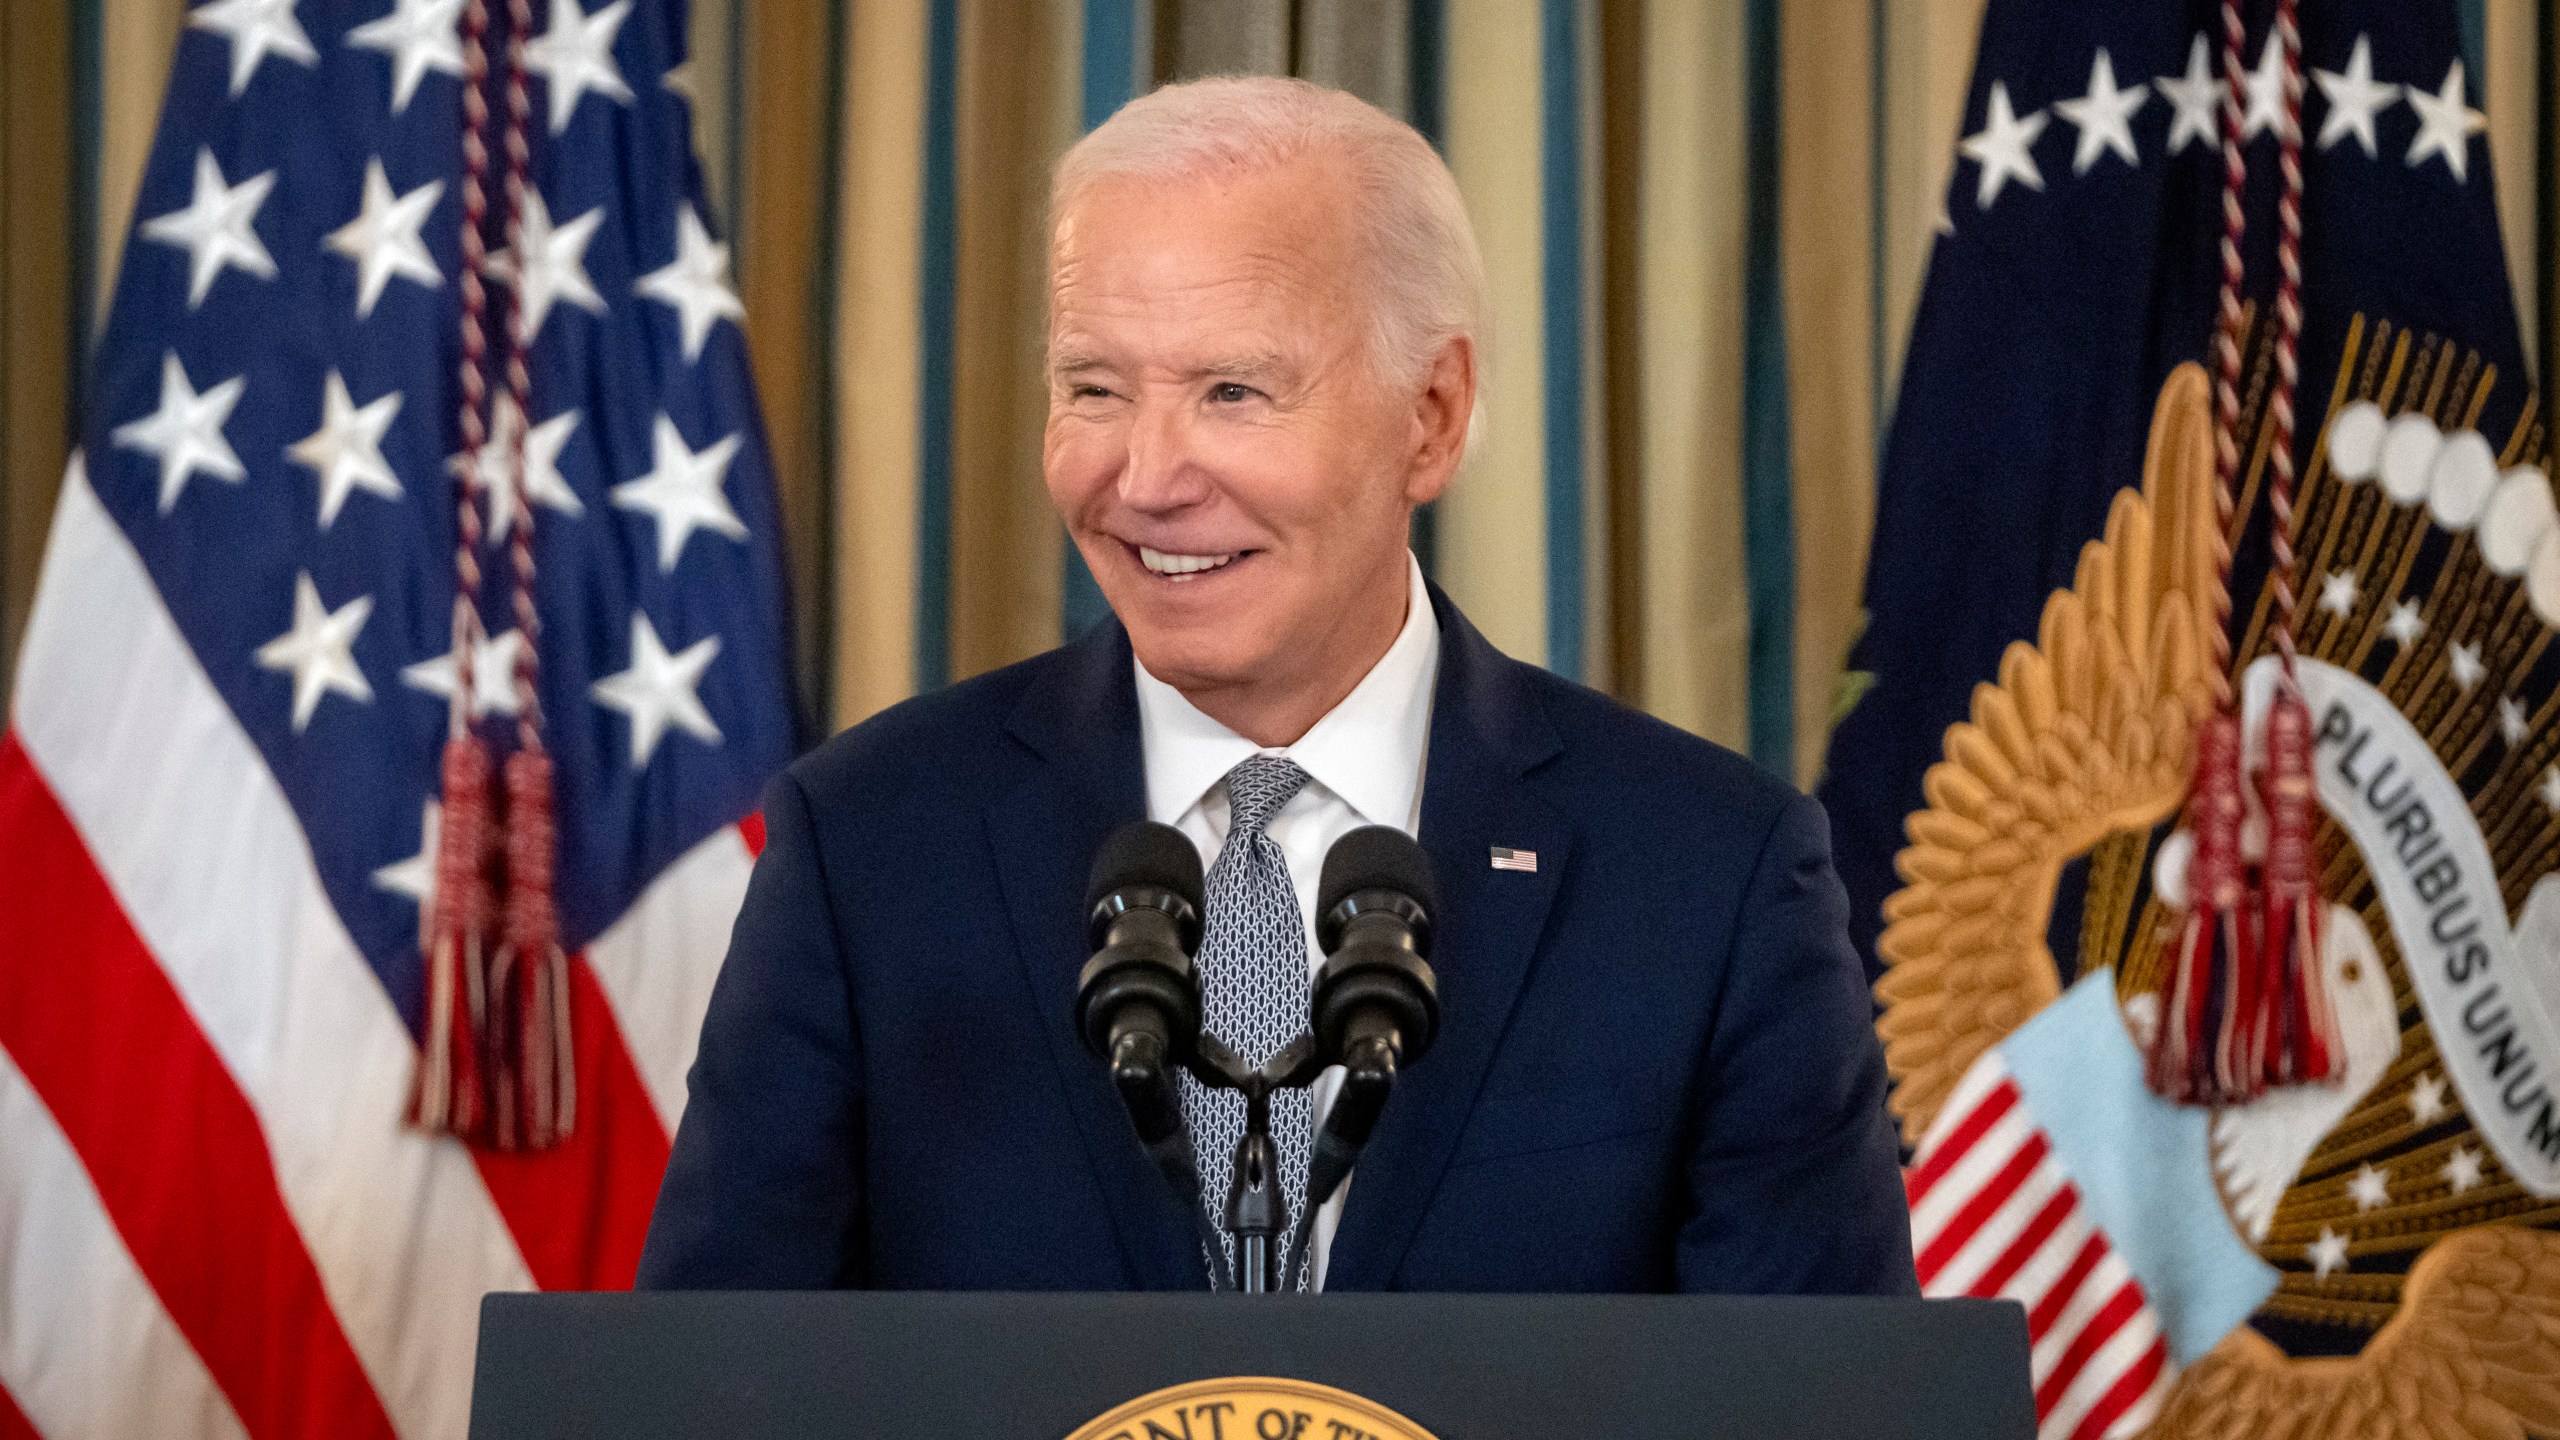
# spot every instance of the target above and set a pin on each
(1079, 464)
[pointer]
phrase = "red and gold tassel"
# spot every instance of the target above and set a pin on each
(449, 1093)
(2300, 1026)
(534, 1085)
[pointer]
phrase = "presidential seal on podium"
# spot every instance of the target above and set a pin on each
(1251, 1407)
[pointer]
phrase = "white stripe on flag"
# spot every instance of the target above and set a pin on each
(183, 819)
(2099, 1374)
(1980, 1079)
(657, 963)
(1999, 1230)
(2105, 1278)
(2052, 1260)
(1996, 1148)
(87, 1351)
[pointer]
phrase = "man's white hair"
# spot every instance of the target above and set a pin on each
(1426, 275)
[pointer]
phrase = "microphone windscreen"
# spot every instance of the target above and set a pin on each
(1146, 853)
(1376, 857)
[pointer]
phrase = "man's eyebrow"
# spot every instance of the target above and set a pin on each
(1260, 365)
(1069, 362)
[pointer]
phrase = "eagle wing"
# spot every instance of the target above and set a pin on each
(2474, 1353)
(2087, 732)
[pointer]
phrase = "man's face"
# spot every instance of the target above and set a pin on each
(1221, 445)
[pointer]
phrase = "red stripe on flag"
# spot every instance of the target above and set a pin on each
(14, 1424)
(180, 1163)
(1984, 1203)
(2123, 1395)
(2102, 1327)
(580, 1211)
(751, 830)
(2047, 1310)
(1960, 1141)
(2029, 1241)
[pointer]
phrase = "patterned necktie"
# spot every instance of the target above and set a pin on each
(1254, 988)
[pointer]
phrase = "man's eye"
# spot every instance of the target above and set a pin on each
(1230, 393)
(1091, 392)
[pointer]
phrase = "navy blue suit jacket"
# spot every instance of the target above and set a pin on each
(1656, 1071)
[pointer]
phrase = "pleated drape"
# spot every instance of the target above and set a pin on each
(1705, 224)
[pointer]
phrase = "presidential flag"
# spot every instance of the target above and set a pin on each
(219, 795)
(2076, 264)
(2084, 573)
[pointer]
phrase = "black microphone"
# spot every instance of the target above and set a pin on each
(1138, 1000)
(1376, 1004)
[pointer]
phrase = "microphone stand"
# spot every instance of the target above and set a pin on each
(1256, 1212)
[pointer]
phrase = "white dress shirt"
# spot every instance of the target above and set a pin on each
(1364, 760)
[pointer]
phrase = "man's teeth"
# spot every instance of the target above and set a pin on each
(1179, 566)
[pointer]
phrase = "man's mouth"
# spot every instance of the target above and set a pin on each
(1178, 567)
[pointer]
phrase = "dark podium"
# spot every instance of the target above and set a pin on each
(1044, 1367)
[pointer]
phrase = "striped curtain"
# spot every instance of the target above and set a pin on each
(1705, 223)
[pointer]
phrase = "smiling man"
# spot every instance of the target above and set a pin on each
(1656, 1069)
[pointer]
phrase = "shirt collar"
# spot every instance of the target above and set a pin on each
(1369, 749)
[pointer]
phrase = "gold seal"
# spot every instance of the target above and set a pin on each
(1251, 1407)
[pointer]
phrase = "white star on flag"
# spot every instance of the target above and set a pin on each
(2327, 1253)
(2464, 660)
(383, 238)
(2338, 593)
(419, 36)
(2369, 1189)
(415, 877)
(186, 431)
(2265, 87)
(2426, 1100)
(2404, 627)
(2354, 99)
(557, 269)
(490, 473)
(657, 691)
(2002, 148)
(695, 283)
(2445, 125)
(255, 28)
(346, 451)
(2511, 722)
(682, 491)
(493, 675)
(2462, 1169)
(576, 55)
(215, 228)
(2192, 98)
(679, 82)
(2104, 116)
(2551, 789)
(319, 650)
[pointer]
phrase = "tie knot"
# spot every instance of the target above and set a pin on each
(1257, 788)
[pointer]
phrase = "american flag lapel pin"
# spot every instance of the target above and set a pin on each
(1506, 858)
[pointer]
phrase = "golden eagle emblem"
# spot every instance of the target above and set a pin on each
(2408, 1215)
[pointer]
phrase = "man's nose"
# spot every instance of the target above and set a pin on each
(1163, 474)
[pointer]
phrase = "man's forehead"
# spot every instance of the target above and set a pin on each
(1233, 240)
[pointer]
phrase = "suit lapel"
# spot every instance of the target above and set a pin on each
(1487, 730)
(1081, 720)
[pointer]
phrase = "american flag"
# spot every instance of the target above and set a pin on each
(218, 795)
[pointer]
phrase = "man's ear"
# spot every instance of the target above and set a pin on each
(1442, 413)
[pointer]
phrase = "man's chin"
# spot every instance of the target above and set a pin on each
(1195, 657)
